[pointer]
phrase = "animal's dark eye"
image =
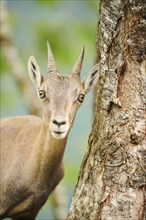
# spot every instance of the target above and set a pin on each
(42, 94)
(81, 98)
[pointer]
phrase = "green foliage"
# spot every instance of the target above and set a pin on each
(47, 2)
(6, 99)
(3, 65)
(56, 39)
(71, 173)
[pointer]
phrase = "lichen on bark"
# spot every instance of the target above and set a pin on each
(112, 176)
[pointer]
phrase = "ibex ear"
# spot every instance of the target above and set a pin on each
(35, 72)
(91, 79)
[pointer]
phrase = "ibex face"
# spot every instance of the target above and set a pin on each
(61, 96)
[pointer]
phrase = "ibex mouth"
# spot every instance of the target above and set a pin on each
(58, 132)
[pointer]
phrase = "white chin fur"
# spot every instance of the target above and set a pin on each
(59, 136)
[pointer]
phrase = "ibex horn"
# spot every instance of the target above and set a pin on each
(78, 65)
(51, 61)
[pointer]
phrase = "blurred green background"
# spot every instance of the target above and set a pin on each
(67, 25)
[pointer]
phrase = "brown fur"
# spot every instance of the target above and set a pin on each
(27, 172)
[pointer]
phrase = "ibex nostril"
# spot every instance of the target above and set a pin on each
(55, 122)
(62, 123)
(59, 123)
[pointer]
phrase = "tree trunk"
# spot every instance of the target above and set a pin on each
(112, 175)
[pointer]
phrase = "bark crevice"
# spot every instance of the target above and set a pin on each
(112, 175)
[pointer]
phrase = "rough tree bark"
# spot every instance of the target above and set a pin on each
(112, 176)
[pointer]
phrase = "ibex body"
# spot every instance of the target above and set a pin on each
(32, 148)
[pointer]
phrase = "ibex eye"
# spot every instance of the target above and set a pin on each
(42, 94)
(81, 98)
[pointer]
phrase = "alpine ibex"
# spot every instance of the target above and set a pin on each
(32, 148)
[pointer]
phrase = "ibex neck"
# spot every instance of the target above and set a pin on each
(54, 148)
(50, 153)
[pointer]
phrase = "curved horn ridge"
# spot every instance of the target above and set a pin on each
(51, 61)
(78, 65)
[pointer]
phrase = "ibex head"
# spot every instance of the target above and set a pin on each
(61, 96)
